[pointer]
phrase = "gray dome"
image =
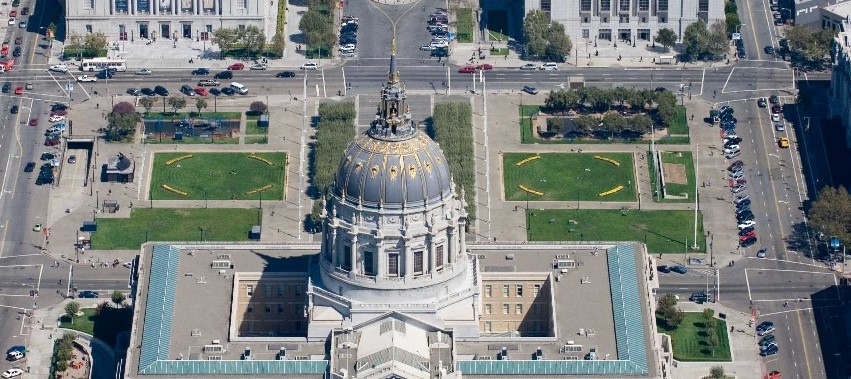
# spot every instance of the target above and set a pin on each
(393, 172)
(123, 162)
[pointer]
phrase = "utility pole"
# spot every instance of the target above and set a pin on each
(696, 195)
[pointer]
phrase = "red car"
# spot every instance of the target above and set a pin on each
(200, 91)
(773, 375)
(236, 67)
(484, 66)
(4, 50)
(59, 112)
(19, 41)
(747, 235)
(33, 122)
(19, 90)
(13, 14)
(467, 69)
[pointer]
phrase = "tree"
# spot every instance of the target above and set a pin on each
(696, 38)
(666, 37)
(667, 308)
(733, 22)
(71, 310)
(554, 125)
(614, 123)
(226, 38)
(809, 46)
(562, 100)
(200, 103)
(586, 123)
(253, 39)
(558, 43)
(713, 340)
(121, 122)
(258, 107)
(640, 123)
(279, 42)
(535, 30)
(100, 307)
(176, 102)
(830, 213)
(716, 372)
(717, 41)
(667, 112)
(147, 103)
(94, 44)
(124, 107)
(317, 27)
(118, 298)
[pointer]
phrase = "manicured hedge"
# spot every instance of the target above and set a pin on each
(452, 125)
(334, 132)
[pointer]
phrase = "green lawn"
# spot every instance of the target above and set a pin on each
(690, 339)
(495, 35)
(568, 177)
(153, 115)
(680, 125)
(218, 176)
(499, 51)
(464, 25)
(105, 326)
(676, 189)
(251, 126)
(174, 224)
(262, 140)
(663, 231)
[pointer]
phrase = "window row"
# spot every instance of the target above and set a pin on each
(507, 290)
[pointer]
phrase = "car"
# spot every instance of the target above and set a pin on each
(201, 71)
(201, 91)
(208, 83)
(529, 66)
(742, 208)
(72, 159)
(774, 374)
(29, 167)
(733, 154)
(16, 52)
(57, 118)
(258, 67)
(310, 66)
(7, 87)
(144, 71)
(59, 68)
(87, 295)
(762, 102)
(105, 74)
(745, 215)
(4, 50)
(14, 356)
(769, 50)
(347, 54)
(663, 268)
(730, 144)
(735, 166)
(215, 92)
(22, 24)
(86, 79)
(767, 339)
(768, 345)
(779, 127)
(679, 269)
(34, 121)
(783, 142)
(699, 297)
(13, 14)
(746, 224)
(746, 230)
(774, 99)
(769, 352)
(19, 40)
(348, 46)
(732, 138)
(148, 92)
(58, 107)
(764, 325)
(747, 235)
(738, 188)
(13, 109)
(228, 91)
(224, 75)
(19, 90)
(187, 90)
(134, 92)
(439, 44)
(236, 66)
(285, 74)
(426, 48)
(12, 21)
(484, 66)
(25, 11)
(736, 174)
(776, 108)
(160, 90)
(741, 199)
(748, 242)
(530, 90)
(731, 148)
(552, 66)
(12, 372)
(761, 253)
(467, 69)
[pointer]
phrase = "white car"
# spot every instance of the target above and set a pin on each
(12, 21)
(746, 224)
(144, 71)
(258, 66)
(57, 118)
(426, 48)
(22, 24)
(86, 78)
(59, 68)
(775, 117)
(310, 66)
(439, 44)
(549, 66)
(348, 46)
(732, 149)
(528, 66)
(12, 372)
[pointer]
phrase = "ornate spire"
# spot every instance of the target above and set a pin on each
(393, 77)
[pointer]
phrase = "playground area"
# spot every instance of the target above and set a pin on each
(189, 129)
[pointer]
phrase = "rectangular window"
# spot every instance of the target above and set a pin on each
(536, 290)
(519, 290)
(586, 32)
(518, 309)
(298, 290)
(438, 259)
(209, 28)
(703, 6)
(624, 19)
(267, 290)
(241, 4)
(585, 6)
(546, 5)
(505, 290)
(88, 4)
(488, 309)
(249, 290)
(280, 308)
(88, 28)
(605, 34)
(280, 290)
(662, 6)
(605, 5)
(347, 258)
(488, 326)
(268, 308)
(393, 264)
(250, 309)
(505, 309)
(624, 5)
(368, 267)
(643, 5)
(418, 262)
(488, 291)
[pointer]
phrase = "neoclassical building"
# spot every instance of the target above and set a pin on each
(171, 19)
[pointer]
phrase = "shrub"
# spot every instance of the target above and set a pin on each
(452, 126)
(334, 132)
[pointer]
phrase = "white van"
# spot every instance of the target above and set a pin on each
(239, 88)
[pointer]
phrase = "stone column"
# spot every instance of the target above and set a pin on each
(198, 4)
(355, 266)
(462, 241)
(333, 246)
(380, 260)
(156, 6)
(450, 246)
(112, 7)
(409, 261)
(132, 6)
(432, 266)
(176, 10)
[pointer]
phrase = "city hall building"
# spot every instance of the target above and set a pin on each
(128, 20)
(616, 21)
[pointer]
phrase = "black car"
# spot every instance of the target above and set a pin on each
(224, 75)
(14, 109)
(147, 91)
(766, 340)
(47, 156)
(16, 52)
(201, 71)
(160, 90)
(735, 141)
(730, 143)
(285, 74)
(744, 203)
(744, 216)
(228, 91)
(134, 91)
(699, 297)
(747, 242)
(29, 167)
(87, 295)
(762, 102)
(7, 87)
(663, 268)
(735, 166)
(769, 351)
(743, 210)
(746, 230)
(769, 50)
(105, 75)
(783, 43)
(187, 90)
(774, 99)
(215, 91)
(58, 107)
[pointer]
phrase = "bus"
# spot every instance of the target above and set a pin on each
(99, 64)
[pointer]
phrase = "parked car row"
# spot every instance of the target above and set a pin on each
(736, 177)
(232, 89)
(549, 66)
(348, 36)
(768, 343)
(438, 26)
(776, 117)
